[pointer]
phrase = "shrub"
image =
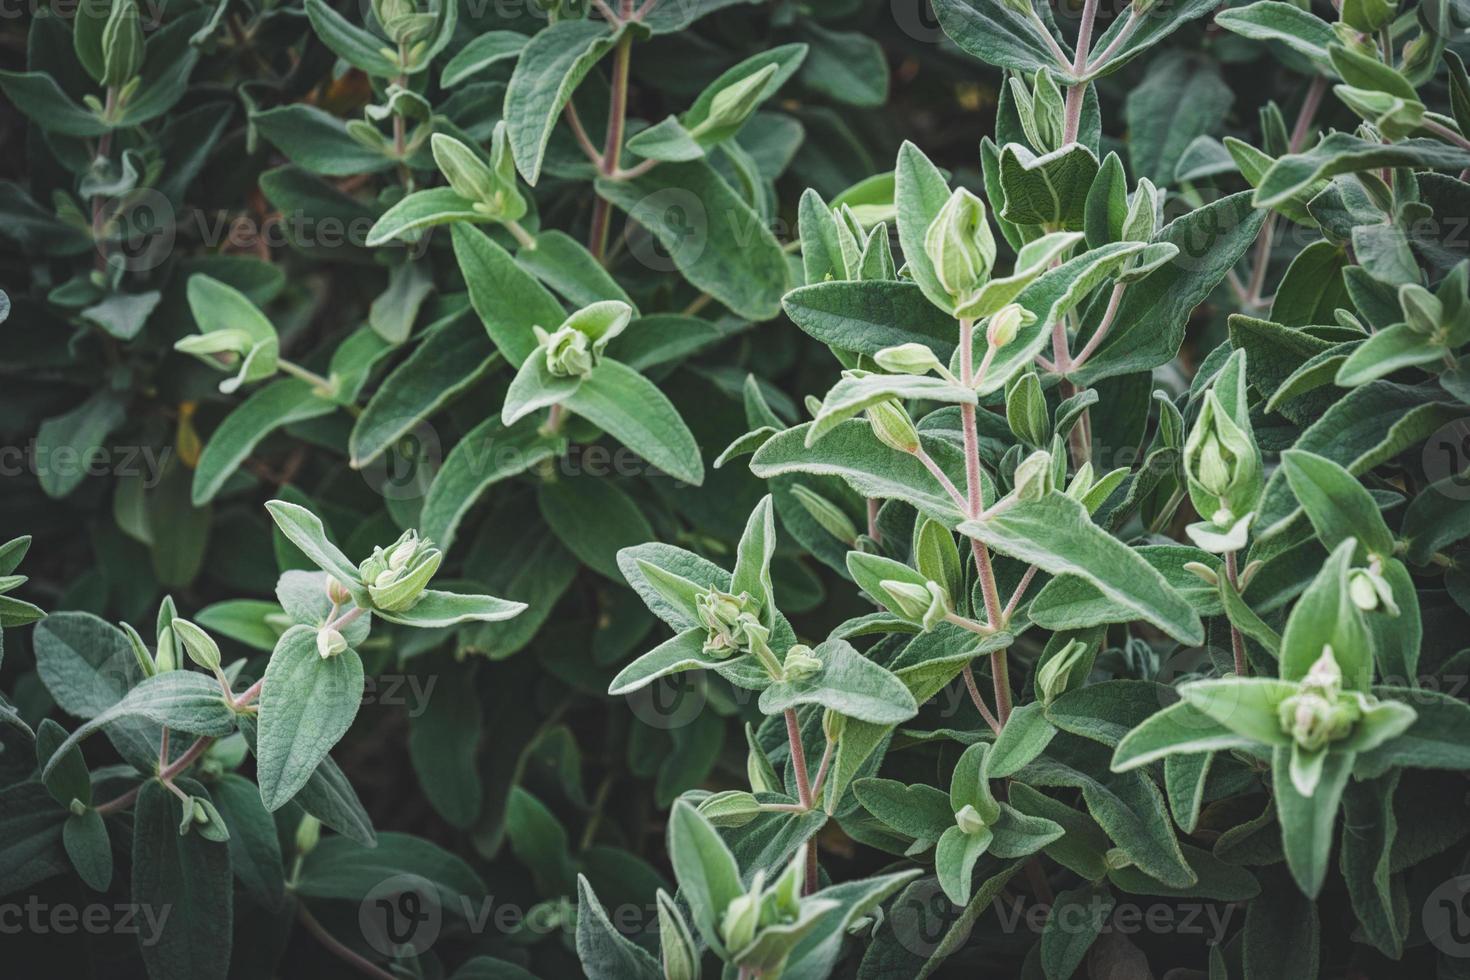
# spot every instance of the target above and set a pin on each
(568, 505)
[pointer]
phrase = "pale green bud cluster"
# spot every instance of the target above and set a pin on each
(961, 248)
(732, 621)
(575, 348)
(397, 576)
(1221, 460)
(1042, 110)
(801, 663)
(1318, 714)
(1034, 476)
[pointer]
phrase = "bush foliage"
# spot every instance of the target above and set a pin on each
(672, 488)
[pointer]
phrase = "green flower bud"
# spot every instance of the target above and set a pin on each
(800, 663)
(828, 515)
(577, 345)
(1053, 677)
(742, 917)
(337, 592)
(403, 22)
(1005, 323)
(908, 359)
(1222, 465)
(1033, 477)
(926, 604)
(396, 577)
(199, 812)
(122, 44)
(734, 103)
(893, 427)
(728, 620)
(1369, 590)
(1041, 109)
(199, 645)
(308, 832)
(968, 819)
(960, 246)
(329, 643)
(569, 354)
(731, 808)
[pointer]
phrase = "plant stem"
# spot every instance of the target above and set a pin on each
(1444, 132)
(310, 377)
(1075, 94)
(980, 704)
(612, 148)
(873, 531)
(1114, 301)
(942, 477)
(336, 948)
(1129, 26)
(798, 759)
(580, 132)
(1237, 643)
(521, 235)
(822, 768)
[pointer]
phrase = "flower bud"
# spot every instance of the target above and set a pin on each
(742, 917)
(679, 954)
(968, 819)
(397, 576)
(1423, 311)
(734, 103)
(926, 604)
(1222, 465)
(337, 592)
(833, 724)
(1143, 212)
(122, 44)
(165, 659)
(199, 645)
(1005, 323)
(908, 359)
(467, 174)
(959, 245)
(801, 663)
(329, 643)
(308, 832)
(728, 620)
(893, 427)
(1033, 477)
(730, 808)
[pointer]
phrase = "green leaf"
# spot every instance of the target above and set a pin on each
(605, 953)
(305, 530)
(867, 316)
(352, 44)
(1180, 728)
(272, 407)
(508, 298)
(996, 34)
(851, 395)
(852, 452)
(708, 876)
(84, 836)
(1026, 735)
(483, 51)
(338, 868)
(629, 407)
(1390, 349)
(444, 743)
(436, 610)
(1048, 190)
(708, 232)
(77, 436)
(189, 875)
(564, 264)
(487, 454)
(1273, 20)
(1076, 919)
(307, 704)
(539, 841)
(849, 684)
(451, 358)
(1307, 821)
(1378, 901)
(317, 141)
(914, 810)
(1344, 153)
(1149, 326)
(1180, 99)
(594, 519)
(1056, 534)
(182, 700)
(255, 850)
(552, 65)
(423, 209)
(37, 95)
(1338, 506)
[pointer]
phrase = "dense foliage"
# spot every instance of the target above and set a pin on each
(674, 488)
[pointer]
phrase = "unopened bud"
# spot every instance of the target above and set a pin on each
(330, 642)
(893, 427)
(1005, 323)
(908, 359)
(800, 663)
(960, 246)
